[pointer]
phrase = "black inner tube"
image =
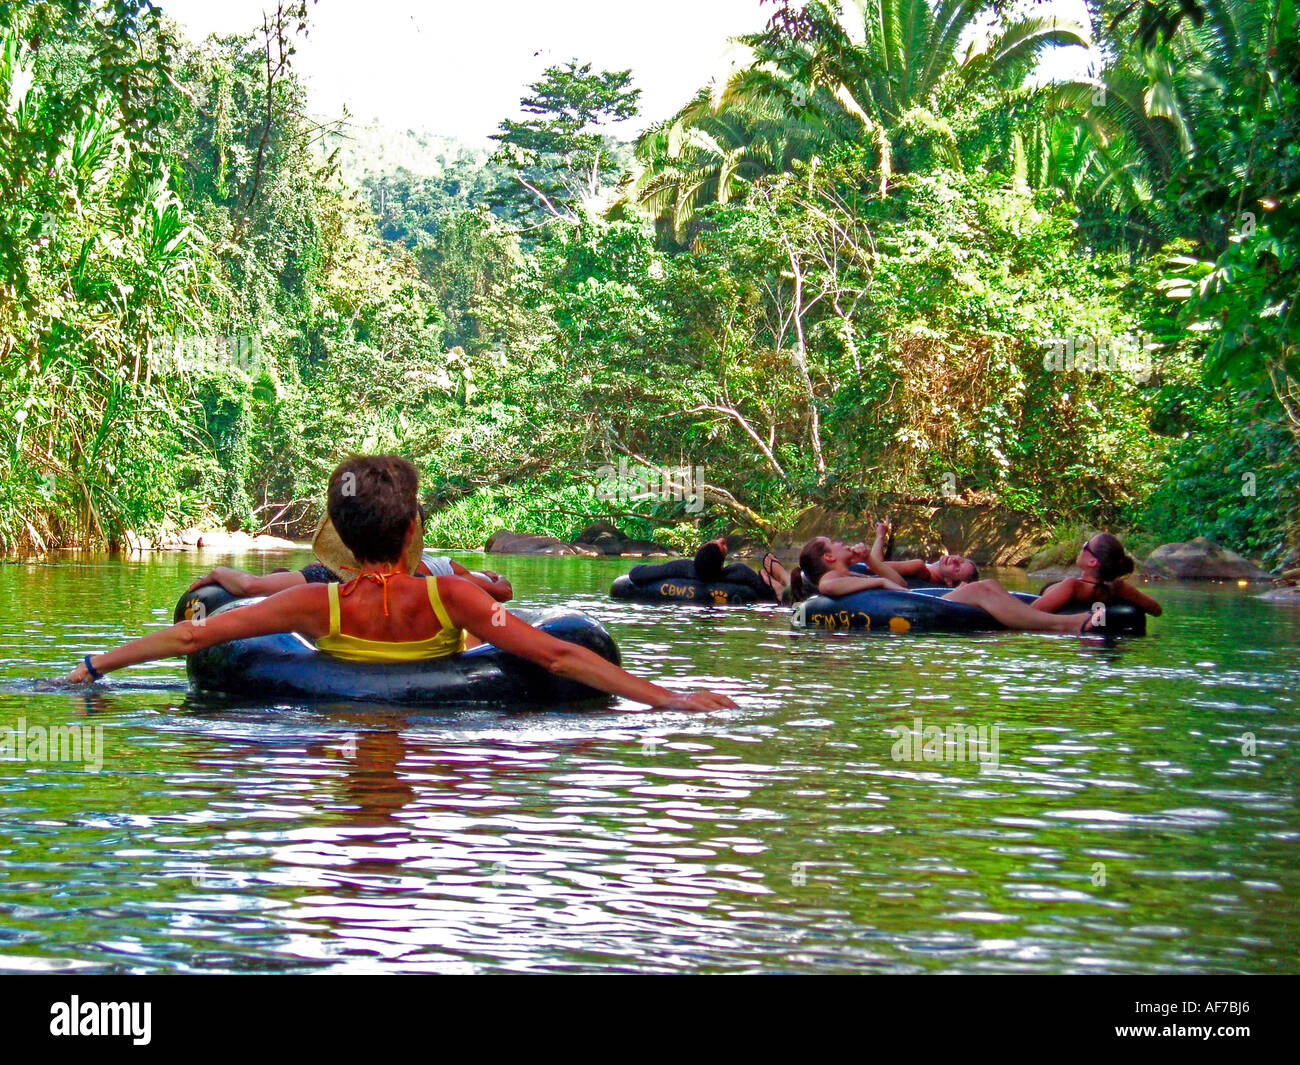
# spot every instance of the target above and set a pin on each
(286, 665)
(688, 590)
(887, 610)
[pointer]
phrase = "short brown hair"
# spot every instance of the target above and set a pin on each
(372, 501)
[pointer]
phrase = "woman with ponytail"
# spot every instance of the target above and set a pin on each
(824, 569)
(1105, 564)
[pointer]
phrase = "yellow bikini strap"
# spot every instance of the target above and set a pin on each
(435, 601)
(334, 608)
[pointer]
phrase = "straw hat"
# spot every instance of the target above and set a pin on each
(337, 557)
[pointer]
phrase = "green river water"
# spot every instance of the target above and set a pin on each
(1140, 815)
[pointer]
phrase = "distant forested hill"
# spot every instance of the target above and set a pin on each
(371, 149)
(412, 178)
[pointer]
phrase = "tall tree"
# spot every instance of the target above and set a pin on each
(561, 157)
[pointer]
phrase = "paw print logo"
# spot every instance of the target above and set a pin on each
(195, 611)
(719, 597)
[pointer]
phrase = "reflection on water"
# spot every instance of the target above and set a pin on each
(1141, 816)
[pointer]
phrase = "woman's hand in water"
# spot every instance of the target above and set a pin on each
(79, 675)
(698, 701)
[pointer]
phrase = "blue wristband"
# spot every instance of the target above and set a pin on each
(94, 673)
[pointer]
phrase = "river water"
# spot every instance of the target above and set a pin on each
(1135, 810)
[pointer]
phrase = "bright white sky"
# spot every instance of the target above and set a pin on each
(458, 67)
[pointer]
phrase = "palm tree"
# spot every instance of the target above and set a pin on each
(1119, 138)
(864, 70)
(710, 151)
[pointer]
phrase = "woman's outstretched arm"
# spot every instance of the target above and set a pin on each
(303, 609)
(473, 609)
(1127, 592)
(834, 585)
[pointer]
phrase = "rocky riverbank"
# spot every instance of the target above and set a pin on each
(599, 540)
(208, 540)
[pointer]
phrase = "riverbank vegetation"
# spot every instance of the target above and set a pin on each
(883, 260)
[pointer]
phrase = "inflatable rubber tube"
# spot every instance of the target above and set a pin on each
(286, 665)
(886, 610)
(683, 590)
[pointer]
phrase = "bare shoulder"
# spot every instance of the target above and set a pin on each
(1068, 588)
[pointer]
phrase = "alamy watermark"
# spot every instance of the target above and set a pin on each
(1103, 353)
(628, 484)
(126, 1019)
(196, 354)
(53, 743)
(956, 743)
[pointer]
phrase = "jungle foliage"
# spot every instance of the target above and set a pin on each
(878, 261)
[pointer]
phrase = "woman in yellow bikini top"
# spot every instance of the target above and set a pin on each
(446, 641)
(373, 502)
